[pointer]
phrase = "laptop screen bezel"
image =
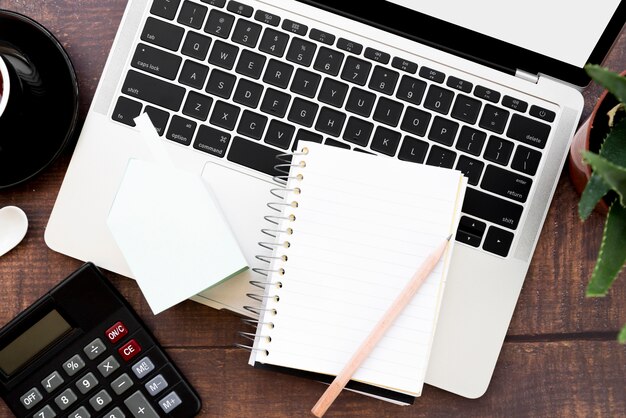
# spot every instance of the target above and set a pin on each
(470, 44)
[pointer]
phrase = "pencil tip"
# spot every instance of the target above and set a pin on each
(449, 236)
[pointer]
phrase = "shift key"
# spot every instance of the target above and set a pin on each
(153, 90)
(492, 208)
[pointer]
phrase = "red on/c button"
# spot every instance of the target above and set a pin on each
(116, 332)
(129, 350)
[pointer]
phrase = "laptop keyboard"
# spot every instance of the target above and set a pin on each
(245, 85)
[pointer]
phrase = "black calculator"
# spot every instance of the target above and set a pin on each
(81, 351)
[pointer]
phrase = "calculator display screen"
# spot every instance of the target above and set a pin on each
(32, 341)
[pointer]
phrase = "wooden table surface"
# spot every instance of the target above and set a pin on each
(560, 357)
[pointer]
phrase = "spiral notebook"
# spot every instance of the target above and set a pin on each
(347, 232)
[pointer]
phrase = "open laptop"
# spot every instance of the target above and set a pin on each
(490, 88)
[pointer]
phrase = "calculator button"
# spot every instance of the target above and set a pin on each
(116, 332)
(94, 349)
(170, 402)
(143, 367)
(52, 382)
(100, 400)
(45, 412)
(156, 385)
(115, 413)
(87, 383)
(65, 399)
(121, 384)
(31, 398)
(73, 365)
(129, 350)
(108, 366)
(139, 406)
(80, 413)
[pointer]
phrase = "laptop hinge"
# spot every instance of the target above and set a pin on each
(524, 75)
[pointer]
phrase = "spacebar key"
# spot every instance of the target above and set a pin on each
(491, 208)
(153, 90)
(255, 156)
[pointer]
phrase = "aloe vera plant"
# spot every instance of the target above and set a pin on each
(608, 181)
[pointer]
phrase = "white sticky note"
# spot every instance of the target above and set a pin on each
(172, 233)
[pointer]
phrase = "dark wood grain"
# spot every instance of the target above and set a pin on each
(559, 359)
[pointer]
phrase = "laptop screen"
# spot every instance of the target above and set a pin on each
(554, 37)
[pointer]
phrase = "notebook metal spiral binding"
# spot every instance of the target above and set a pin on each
(284, 167)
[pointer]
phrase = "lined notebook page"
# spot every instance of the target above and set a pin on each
(363, 225)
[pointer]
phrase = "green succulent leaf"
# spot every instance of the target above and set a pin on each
(612, 253)
(611, 81)
(621, 337)
(595, 189)
(612, 174)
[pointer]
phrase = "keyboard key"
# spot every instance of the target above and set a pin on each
(156, 385)
(100, 400)
(139, 406)
(487, 94)
(223, 55)
(196, 45)
(498, 241)
(413, 150)
(498, 150)
(197, 105)
(216, 3)
(268, 18)
(162, 34)
(377, 55)
(153, 90)
(321, 36)
(170, 402)
(165, 8)
(305, 83)
(303, 112)
(221, 84)
(240, 9)
(506, 183)
(276, 103)
(335, 143)
(121, 384)
(470, 231)
(385, 141)
(349, 46)
(181, 130)
(443, 131)
(113, 413)
(415, 121)
(515, 104)
(304, 135)
(388, 111)
(274, 42)
(219, 23)
(224, 115)
(279, 134)
(252, 124)
(108, 366)
(360, 102)
(333, 92)
(278, 73)
(466, 109)
(86, 383)
(433, 75)
(492, 208)
(251, 64)
(295, 27)
(541, 113)
(528, 131)
(458, 84)
(301, 51)
(438, 99)
(471, 141)
(404, 65)
(526, 160)
(31, 398)
(471, 168)
(384, 80)
(156, 61)
(158, 118)
(65, 399)
(328, 61)
(411, 90)
(494, 119)
(48, 412)
(193, 74)
(212, 141)
(192, 14)
(50, 383)
(330, 122)
(356, 71)
(358, 131)
(246, 33)
(126, 110)
(441, 157)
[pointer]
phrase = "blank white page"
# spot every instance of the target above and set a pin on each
(363, 226)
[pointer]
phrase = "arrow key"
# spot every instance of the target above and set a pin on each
(498, 241)
(470, 231)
